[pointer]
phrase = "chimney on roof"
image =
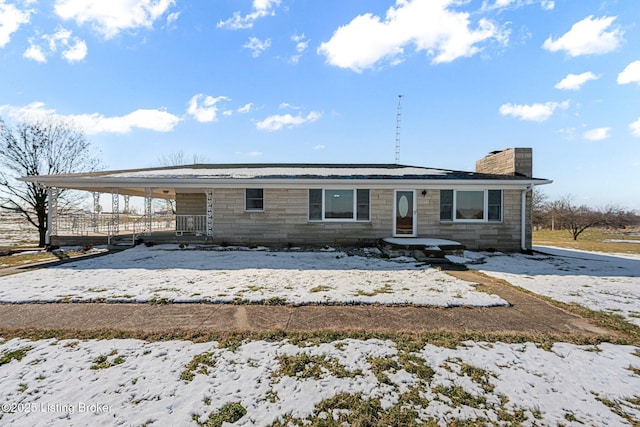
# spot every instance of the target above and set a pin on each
(510, 161)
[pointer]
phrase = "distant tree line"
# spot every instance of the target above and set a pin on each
(565, 214)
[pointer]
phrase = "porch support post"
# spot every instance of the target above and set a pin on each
(52, 214)
(115, 212)
(148, 214)
(209, 213)
(126, 205)
(96, 211)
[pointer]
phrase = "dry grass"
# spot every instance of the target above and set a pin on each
(595, 239)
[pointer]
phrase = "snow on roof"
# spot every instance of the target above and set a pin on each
(282, 172)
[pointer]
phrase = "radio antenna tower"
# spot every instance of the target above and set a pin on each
(398, 116)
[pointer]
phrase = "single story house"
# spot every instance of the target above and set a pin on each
(309, 204)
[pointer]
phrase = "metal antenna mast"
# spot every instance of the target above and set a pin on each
(398, 116)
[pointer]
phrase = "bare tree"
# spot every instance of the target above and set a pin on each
(540, 208)
(179, 158)
(40, 147)
(567, 215)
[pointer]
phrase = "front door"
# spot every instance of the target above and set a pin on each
(405, 214)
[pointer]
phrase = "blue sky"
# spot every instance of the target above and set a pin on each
(235, 81)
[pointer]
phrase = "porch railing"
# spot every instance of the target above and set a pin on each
(191, 224)
(88, 224)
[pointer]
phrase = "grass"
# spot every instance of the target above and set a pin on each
(18, 354)
(22, 259)
(305, 366)
(103, 361)
(199, 364)
(229, 413)
(594, 239)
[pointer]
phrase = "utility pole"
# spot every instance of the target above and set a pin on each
(398, 116)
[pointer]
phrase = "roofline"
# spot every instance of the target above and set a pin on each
(503, 180)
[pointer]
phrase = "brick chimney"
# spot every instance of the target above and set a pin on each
(510, 161)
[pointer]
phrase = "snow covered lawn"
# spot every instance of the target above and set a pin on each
(167, 273)
(599, 281)
(131, 382)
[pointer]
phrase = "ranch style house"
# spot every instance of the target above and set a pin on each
(304, 204)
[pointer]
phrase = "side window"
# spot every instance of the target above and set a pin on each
(315, 205)
(254, 199)
(494, 208)
(363, 205)
(446, 205)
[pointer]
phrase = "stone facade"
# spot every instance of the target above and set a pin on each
(512, 161)
(285, 220)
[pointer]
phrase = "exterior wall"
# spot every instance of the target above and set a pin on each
(285, 220)
(191, 204)
(502, 236)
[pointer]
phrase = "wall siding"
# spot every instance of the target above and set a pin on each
(284, 220)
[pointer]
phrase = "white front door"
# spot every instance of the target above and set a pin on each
(405, 213)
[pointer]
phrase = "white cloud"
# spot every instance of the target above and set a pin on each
(156, 120)
(11, 18)
(302, 43)
(597, 134)
(203, 107)
(430, 26)
(246, 108)
(502, 4)
(257, 46)
(575, 81)
(249, 153)
(548, 4)
(534, 112)
(35, 53)
(287, 105)
(635, 128)
(171, 19)
(588, 37)
(319, 147)
(277, 122)
(261, 8)
(109, 18)
(630, 74)
(73, 49)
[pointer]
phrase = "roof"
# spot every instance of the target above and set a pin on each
(192, 176)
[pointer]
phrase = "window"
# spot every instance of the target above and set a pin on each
(339, 205)
(315, 205)
(494, 209)
(471, 205)
(254, 199)
(363, 205)
(446, 205)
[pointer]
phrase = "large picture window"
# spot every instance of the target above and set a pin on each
(339, 205)
(471, 205)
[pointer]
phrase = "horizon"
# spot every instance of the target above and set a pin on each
(284, 81)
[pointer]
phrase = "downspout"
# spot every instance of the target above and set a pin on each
(47, 234)
(523, 219)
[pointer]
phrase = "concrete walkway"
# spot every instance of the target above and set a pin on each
(526, 315)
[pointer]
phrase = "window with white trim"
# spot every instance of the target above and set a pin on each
(254, 199)
(471, 205)
(339, 205)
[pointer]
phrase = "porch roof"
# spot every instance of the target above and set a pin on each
(164, 180)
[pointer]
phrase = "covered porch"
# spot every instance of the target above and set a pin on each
(124, 225)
